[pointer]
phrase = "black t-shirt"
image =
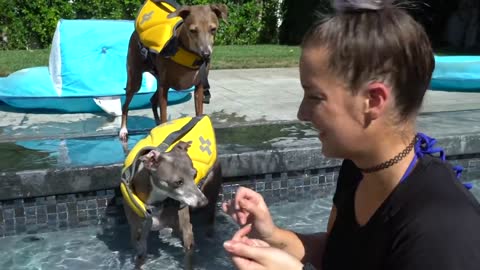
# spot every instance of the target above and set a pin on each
(430, 221)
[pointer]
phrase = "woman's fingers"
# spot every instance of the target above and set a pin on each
(242, 232)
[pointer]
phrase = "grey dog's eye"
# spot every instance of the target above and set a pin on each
(179, 182)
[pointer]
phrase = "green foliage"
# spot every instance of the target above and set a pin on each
(243, 25)
(31, 24)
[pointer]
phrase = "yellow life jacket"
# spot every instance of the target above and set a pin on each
(156, 30)
(203, 152)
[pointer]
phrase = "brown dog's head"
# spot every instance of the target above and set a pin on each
(173, 174)
(201, 23)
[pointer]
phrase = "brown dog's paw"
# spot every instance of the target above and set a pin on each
(206, 97)
(140, 261)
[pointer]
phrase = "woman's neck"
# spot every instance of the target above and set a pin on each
(382, 149)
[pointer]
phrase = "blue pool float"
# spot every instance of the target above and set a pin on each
(456, 74)
(86, 72)
(32, 89)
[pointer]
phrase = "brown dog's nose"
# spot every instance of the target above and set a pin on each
(206, 54)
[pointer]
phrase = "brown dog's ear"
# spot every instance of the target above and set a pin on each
(181, 12)
(151, 159)
(183, 145)
(221, 10)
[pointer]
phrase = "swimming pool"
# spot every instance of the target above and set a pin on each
(109, 248)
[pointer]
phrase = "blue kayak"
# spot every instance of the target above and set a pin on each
(456, 74)
(32, 89)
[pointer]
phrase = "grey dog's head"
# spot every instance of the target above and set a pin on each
(173, 173)
(200, 25)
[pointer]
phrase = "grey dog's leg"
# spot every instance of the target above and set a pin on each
(185, 227)
(211, 189)
(140, 242)
(188, 260)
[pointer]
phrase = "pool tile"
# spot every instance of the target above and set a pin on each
(62, 216)
(20, 221)
(51, 208)
(9, 213)
(61, 207)
(91, 204)
(81, 205)
(260, 186)
(30, 211)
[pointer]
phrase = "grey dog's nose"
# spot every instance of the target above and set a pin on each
(202, 202)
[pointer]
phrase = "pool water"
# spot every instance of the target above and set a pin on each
(109, 248)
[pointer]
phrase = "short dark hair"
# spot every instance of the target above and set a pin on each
(384, 45)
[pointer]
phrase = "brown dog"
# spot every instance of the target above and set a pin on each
(166, 180)
(196, 35)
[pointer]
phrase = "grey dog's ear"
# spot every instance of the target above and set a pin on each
(221, 10)
(183, 145)
(152, 159)
(183, 12)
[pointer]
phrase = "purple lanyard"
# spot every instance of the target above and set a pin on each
(423, 147)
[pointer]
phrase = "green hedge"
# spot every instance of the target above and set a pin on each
(31, 24)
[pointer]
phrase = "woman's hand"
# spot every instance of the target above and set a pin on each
(255, 254)
(249, 207)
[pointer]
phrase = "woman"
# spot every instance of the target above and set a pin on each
(365, 72)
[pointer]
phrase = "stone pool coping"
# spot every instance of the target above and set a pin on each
(298, 157)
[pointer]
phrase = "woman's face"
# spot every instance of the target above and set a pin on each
(334, 111)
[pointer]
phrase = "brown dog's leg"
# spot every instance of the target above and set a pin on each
(133, 85)
(162, 101)
(134, 80)
(154, 102)
(198, 100)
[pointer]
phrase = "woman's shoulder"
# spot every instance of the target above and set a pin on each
(433, 213)
(433, 196)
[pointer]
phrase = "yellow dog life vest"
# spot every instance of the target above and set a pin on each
(155, 30)
(203, 151)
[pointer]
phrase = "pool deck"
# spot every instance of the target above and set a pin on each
(239, 97)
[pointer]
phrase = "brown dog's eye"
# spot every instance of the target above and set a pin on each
(193, 31)
(214, 30)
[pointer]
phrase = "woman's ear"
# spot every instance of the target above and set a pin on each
(377, 96)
